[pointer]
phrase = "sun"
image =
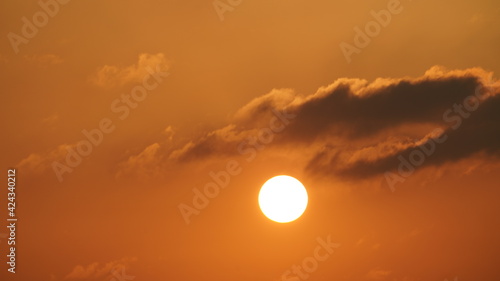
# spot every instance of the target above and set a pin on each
(283, 199)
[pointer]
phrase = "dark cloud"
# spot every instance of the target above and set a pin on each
(345, 112)
(478, 133)
(353, 128)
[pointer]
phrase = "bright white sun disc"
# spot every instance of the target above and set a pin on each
(283, 199)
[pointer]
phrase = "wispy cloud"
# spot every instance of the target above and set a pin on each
(378, 274)
(44, 60)
(39, 162)
(109, 76)
(98, 271)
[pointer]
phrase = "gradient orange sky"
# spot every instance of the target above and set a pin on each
(178, 94)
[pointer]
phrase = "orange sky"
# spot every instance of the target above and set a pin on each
(116, 110)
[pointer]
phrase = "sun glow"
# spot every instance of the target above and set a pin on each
(283, 199)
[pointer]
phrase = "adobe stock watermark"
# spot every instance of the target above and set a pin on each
(48, 9)
(363, 37)
(454, 117)
(221, 179)
(223, 6)
(119, 274)
(122, 107)
(310, 264)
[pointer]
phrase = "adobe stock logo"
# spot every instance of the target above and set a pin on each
(363, 38)
(120, 274)
(40, 19)
(221, 7)
(221, 179)
(310, 264)
(454, 117)
(121, 106)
